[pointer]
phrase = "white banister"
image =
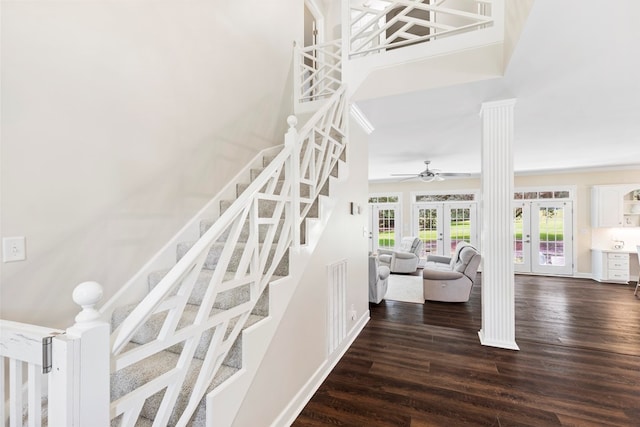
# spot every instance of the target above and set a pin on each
(375, 27)
(307, 159)
(79, 385)
(291, 140)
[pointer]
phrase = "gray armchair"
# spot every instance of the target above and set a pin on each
(405, 259)
(378, 280)
(451, 279)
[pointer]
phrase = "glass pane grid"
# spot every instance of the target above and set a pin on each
(460, 227)
(386, 228)
(551, 226)
(518, 254)
(427, 231)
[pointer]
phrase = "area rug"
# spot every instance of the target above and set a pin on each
(405, 288)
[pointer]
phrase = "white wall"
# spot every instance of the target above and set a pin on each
(286, 369)
(120, 119)
(582, 180)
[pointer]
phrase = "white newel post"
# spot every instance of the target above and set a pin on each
(498, 300)
(79, 390)
(291, 140)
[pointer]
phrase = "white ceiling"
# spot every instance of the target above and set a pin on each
(575, 74)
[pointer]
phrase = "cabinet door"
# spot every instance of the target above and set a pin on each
(606, 207)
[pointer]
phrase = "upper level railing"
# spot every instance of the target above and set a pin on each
(382, 25)
(317, 71)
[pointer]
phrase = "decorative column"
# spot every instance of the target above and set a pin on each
(498, 300)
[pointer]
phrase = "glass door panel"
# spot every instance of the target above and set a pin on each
(522, 237)
(460, 223)
(441, 226)
(428, 226)
(552, 236)
(385, 225)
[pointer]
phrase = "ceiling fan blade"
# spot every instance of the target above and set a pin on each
(405, 174)
(454, 174)
(438, 177)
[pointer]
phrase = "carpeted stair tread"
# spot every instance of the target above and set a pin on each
(225, 299)
(266, 208)
(304, 189)
(150, 330)
(140, 373)
(263, 230)
(216, 251)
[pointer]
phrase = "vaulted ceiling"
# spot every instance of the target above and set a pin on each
(575, 74)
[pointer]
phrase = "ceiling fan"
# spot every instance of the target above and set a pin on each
(429, 175)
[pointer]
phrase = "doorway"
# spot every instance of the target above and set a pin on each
(384, 225)
(543, 237)
(441, 226)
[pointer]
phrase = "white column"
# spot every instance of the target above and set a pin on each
(498, 301)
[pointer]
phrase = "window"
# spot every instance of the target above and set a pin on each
(463, 197)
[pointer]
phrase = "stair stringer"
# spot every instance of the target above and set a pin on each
(138, 286)
(224, 402)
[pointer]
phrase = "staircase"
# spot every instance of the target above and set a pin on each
(190, 329)
(185, 338)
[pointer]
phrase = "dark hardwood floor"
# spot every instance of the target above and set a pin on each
(422, 365)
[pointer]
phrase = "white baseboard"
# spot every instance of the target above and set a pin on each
(293, 409)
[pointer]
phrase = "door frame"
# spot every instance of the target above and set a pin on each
(318, 16)
(443, 220)
(572, 198)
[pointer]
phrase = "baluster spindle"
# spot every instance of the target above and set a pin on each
(291, 140)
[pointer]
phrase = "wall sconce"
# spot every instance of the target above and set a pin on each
(355, 208)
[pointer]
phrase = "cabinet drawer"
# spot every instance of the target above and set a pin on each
(624, 257)
(618, 264)
(618, 275)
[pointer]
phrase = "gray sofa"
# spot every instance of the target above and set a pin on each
(378, 280)
(450, 279)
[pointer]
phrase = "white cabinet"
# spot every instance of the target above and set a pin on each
(615, 205)
(610, 266)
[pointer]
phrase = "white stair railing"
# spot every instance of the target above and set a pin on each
(318, 71)
(380, 25)
(306, 161)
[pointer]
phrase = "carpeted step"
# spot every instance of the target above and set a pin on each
(263, 230)
(150, 330)
(224, 300)
(266, 208)
(140, 373)
(216, 251)
(304, 189)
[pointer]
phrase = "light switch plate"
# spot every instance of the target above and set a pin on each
(13, 249)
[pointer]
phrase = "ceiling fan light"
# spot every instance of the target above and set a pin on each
(427, 178)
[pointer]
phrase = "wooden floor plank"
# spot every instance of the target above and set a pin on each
(420, 365)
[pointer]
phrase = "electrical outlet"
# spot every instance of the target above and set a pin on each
(353, 313)
(13, 249)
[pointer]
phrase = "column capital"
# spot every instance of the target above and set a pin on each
(497, 104)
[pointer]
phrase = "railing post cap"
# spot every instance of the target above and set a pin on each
(87, 295)
(292, 121)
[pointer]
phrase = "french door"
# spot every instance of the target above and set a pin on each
(442, 225)
(543, 237)
(384, 225)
